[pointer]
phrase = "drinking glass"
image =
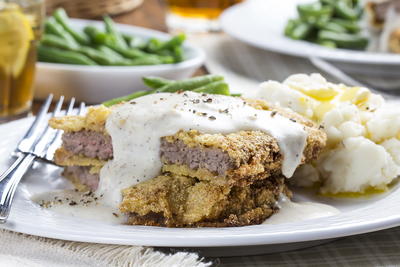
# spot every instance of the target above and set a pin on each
(20, 29)
(196, 15)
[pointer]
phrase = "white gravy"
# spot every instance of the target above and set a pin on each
(294, 212)
(79, 205)
(137, 126)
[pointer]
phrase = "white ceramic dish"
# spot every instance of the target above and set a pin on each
(261, 23)
(357, 216)
(95, 84)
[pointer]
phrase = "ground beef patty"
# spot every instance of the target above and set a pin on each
(237, 158)
(88, 143)
(82, 178)
(213, 159)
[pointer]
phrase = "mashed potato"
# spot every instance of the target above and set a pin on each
(363, 147)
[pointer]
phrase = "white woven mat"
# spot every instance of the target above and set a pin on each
(19, 250)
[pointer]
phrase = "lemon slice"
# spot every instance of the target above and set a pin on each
(15, 37)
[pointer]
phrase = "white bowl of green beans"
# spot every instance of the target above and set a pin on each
(72, 64)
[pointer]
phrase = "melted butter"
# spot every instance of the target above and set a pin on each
(294, 212)
(369, 192)
(137, 126)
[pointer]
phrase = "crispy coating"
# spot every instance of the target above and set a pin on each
(254, 155)
(180, 201)
(94, 120)
(64, 157)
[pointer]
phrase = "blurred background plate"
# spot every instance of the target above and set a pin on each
(94, 84)
(261, 23)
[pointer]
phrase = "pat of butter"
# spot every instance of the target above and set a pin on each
(322, 94)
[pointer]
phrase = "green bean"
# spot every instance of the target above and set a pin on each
(216, 88)
(155, 82)
(290, 25)
(301, 31)
(145, 60)
(55, 55)
(214, 85)
(125, 98)
(108, 40)
(328, 2)
(99, 37)
(111, 29)
(153, 45)
(62, 18)
(344, 40)
(98, 56)
(51, 26)
(178, 54)
(328, 44)
(334, 27)
(52, 40)
(321, 21)
(351, 26)
(133, 41)
(314, 10)
(128, 38)
(174, 42)
(137, 43)
(343, 10)
(190, 84)
(108, 51)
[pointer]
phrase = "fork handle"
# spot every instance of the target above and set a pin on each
(9, 181)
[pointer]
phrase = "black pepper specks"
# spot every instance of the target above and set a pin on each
(293, 120)
(273, 113)
(212, 118)
(195, 101)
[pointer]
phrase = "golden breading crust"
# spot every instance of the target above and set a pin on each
(180, 201)
(64, 157)
(253, 155)
(94, 120)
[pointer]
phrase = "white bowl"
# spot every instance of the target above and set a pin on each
(94, 84)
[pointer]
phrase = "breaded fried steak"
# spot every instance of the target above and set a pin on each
(206, 179)
(183, 201)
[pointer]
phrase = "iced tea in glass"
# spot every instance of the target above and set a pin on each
(20, 28)
(196, 15)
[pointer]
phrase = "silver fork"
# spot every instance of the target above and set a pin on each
(36, 143)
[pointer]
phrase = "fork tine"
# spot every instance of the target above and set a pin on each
(82, 108)
(57, 110)
(56, 141)
(70, 106)
(24, 144)
(42, 141)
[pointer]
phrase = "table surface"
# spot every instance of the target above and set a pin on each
(151, 14)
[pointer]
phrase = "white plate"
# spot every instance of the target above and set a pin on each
(357, 216)
(94, 84)
(261, 23)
